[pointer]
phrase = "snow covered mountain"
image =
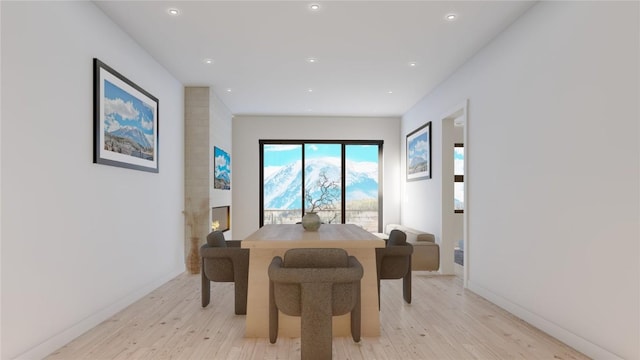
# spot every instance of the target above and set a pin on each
(134, 134)
(282, 189)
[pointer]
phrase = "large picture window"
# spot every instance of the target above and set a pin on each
(340, 180)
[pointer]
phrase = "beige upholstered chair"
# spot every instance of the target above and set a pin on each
(315, 284)
(394, 262)
(225, 261)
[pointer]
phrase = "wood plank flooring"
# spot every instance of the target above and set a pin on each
(444, 321)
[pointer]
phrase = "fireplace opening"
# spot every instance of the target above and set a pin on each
(221, 218)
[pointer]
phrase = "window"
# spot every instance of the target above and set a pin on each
(362, 198)
(458, 178)
(340, 180)
(323, 181)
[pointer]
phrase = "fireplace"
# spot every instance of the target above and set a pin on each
(221, 218)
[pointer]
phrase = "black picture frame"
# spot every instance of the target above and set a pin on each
(126, 122)
(221, 169)
(418, 162)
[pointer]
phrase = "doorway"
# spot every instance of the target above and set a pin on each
(454, 252)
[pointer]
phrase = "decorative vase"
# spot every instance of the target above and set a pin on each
(311, 221)
(193, 261)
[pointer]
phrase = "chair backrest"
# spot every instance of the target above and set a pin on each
(216, 239)
(309, 268)
(397, 237)
(394, 261)
(216, 268)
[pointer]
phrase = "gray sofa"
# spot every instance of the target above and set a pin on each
(426, 252)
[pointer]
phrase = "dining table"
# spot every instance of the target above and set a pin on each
(274, 240)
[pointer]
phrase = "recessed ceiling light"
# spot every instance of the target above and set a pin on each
(312, 60)
(314, 7)
(413, 64)
(208, 61)
(173, 11)
(451, 17)
(228, 90)
(309, 90)
(389, 92)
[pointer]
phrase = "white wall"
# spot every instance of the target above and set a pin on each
(79, 240)
(220, 136)
(421, 200)
(553, 172)
(0, 191)
(248, 130)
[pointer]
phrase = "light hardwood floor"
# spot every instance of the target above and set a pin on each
(443, 322)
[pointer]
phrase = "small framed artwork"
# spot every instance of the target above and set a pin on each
(125, 121)
(419, 153)
(221, 169)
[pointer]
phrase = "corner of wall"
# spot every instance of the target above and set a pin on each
(220, 135)
(588, 348)
(196, 173)
(0, 192)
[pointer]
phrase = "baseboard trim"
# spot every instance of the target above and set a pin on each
(582, 345)
(59, 340)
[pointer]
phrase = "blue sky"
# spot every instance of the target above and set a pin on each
(123, 109)
(222, 162)
(458, 160)
(419, 146)
(278, 155)
(363, 153)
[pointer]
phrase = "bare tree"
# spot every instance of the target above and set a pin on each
(329, 193)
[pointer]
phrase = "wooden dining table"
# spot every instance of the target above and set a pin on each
(274, 240)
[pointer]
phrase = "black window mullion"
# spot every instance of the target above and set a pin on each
(380, 171)
(343, 183)
(261, 223)
(304, 170)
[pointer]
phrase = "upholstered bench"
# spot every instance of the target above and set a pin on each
(426, 252)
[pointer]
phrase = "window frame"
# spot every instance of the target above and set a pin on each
(344, 144)
(458, 178)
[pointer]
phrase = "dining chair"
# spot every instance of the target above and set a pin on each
(394, 262)
(224, 261)
(315, 284)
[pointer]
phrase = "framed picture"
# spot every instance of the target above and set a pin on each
(419, 153)
(221, 169)
(125, 121)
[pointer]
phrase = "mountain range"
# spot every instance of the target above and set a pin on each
(282, 185)
(134, 134)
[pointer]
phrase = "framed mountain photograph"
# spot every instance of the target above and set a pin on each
(221, 169)
(419, 153)
(125, 121)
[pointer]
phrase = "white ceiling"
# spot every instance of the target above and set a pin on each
(363, 49)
